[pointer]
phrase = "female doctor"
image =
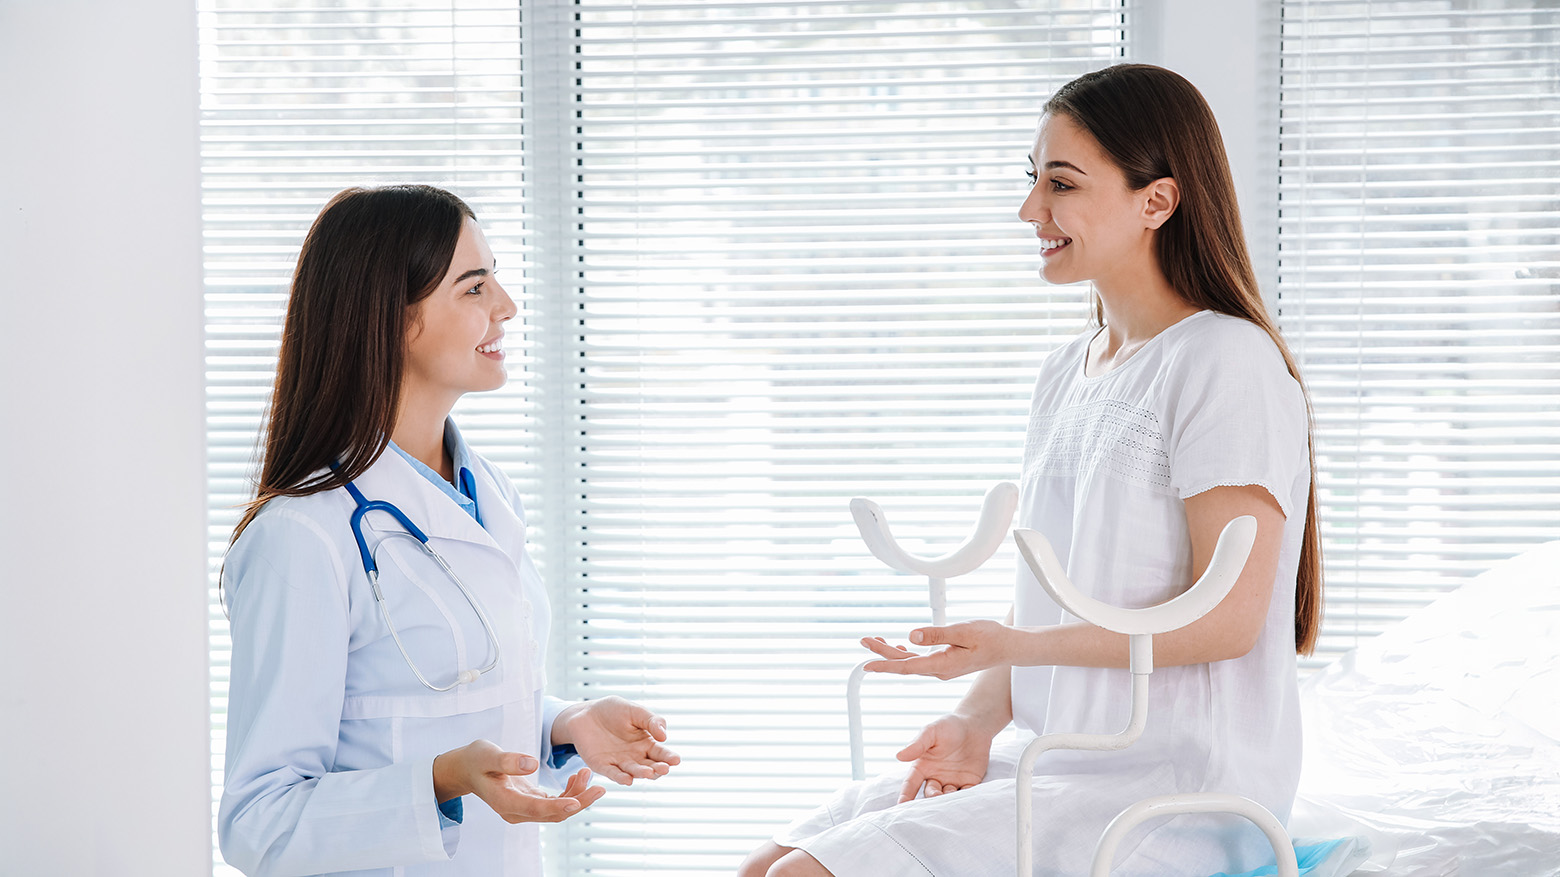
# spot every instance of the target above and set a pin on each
(385, 712)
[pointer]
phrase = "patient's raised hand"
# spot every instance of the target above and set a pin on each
(971, 646)
(948, 755)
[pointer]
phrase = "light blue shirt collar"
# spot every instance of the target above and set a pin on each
(465, 471)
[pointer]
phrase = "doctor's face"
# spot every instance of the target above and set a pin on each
(456, 341)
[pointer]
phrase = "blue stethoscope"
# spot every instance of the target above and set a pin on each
(371, 567)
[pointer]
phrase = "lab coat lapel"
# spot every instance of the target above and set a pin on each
(393, 480)
(503, 523)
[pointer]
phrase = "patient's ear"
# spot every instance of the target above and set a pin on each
(1160, 198)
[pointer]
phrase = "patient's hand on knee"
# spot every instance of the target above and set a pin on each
(949, 755)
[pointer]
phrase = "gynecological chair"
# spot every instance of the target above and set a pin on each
(1139, 625)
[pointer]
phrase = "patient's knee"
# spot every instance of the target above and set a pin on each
(798, 864)
(758, 862)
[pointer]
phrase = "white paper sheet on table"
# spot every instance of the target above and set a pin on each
(1440, 739)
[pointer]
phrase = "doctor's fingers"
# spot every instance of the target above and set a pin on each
(544, 809)
(660, 755)
(581, 791)
(485, 757)
(521, 802)
(579, 785)
(655, 763)
(624, 772)
(618, 773)
(516, 764)
(647, 721)
(526, 803)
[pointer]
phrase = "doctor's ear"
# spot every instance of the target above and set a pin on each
(1161, 197)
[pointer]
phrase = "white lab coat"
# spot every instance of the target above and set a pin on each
(330, 737)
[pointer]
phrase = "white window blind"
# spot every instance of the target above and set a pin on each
(1419, 283)
(802, 279)
(767, 258)
(300, 100)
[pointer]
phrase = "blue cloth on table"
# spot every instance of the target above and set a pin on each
(1308, 857)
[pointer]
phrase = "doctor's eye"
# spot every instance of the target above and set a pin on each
(1059, 186)
(1033, 177)
(476, 290)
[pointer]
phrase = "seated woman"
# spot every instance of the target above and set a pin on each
(1182, 411)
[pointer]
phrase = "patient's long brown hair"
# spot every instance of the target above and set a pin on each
(371, 255)
(1154, 124)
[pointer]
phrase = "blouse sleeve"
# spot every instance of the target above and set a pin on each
(1238, 418)
(285, 810)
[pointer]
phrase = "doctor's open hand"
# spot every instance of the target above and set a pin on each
(497, 777)
(617, 738)
(969, 647)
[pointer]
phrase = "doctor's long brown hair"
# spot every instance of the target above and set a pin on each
(1154, 124)
(369, 257)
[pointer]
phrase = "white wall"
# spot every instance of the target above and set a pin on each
(1227, 49)
(104, 765)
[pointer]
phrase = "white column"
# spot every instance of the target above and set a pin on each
(549, 66)
(1229, 50)
(104, 731)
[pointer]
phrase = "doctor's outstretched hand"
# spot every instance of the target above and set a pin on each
(497, 777)
(971, 646)
(617, 738)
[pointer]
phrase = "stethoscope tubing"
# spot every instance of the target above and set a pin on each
(371, 568)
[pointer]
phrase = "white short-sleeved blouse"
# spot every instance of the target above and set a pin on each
(1108, 461)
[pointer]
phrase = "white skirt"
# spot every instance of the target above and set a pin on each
(862, 832)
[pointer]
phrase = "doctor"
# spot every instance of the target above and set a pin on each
(385, 712)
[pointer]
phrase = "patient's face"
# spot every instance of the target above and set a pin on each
(1086, 218)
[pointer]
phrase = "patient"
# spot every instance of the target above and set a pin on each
(1182, 410)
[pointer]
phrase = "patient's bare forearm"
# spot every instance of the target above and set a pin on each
(989, 702)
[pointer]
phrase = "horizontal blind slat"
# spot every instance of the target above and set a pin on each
(1415, 312)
